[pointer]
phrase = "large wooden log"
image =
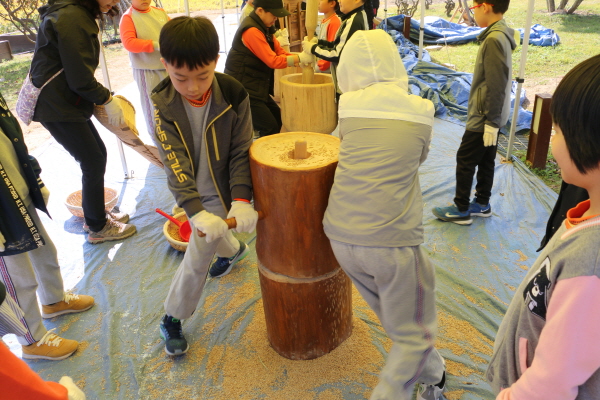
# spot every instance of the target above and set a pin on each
(306, 295)
(308, 107)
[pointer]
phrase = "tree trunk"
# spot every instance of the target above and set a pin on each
(551, 5)
(562, 4)
(574, 6)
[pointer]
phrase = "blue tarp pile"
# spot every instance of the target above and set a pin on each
(446, 88)
(439, 31)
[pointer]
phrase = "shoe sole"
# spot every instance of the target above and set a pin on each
(455, 220)
(109, 239)
(235, 261)
(35, 357)
(63, 312)
(484, 215)
(174, 354)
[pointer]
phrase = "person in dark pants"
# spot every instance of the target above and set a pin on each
(255, 54)
(487, 112)
(68, 39)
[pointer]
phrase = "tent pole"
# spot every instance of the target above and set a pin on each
(385, 16)
(422, 29)
(107, 84)
(520, 79)
(186, 4)
(224, 31)
(237, 11)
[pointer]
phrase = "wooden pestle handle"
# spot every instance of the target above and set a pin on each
(312, 12)
(232, 223)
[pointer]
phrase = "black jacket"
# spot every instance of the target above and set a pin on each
(18, 235)
(256, 76)
(67, 38)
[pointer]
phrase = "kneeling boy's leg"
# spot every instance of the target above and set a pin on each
(263, 119)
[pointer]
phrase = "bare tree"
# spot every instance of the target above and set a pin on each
(22, 14)
(407, 7)
(563, 6)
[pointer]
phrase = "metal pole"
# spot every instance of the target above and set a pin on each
(385, 16)
(520, 79)
(224, 31)
(107, 84)
(186, 5)
(422, 29)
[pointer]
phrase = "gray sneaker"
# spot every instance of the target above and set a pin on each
(113, 230)
(116, 216)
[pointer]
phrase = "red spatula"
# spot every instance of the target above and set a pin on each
(184, 227)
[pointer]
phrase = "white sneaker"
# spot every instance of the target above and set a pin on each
(431, 392)
(117, 216)
(113, 230)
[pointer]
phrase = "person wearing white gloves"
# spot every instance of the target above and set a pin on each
(28, 257)
(17, 380)
(204, 128)
(488, 111)
(68, 38)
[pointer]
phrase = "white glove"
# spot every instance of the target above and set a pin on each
(72, 390)
(244, 215)
(490, 136)
(283, 37)
(45, 194)
(2, 241)
(314, 40)
(306, 59)
(212, 226)
(114, 112)
(307, 46)
(155, 45)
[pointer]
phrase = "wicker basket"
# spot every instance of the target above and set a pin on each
(73, 201)
(171, 232)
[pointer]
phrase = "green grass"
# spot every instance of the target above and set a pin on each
(12, 74)
(550, 175)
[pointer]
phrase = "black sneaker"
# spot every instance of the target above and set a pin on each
(223, 265)
(172, 334)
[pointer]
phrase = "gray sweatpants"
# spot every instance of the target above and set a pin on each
(188, 282)
(398, 283)
(36, 270)
(146, 80)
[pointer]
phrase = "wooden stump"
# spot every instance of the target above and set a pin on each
(307, 297)
(308, 107)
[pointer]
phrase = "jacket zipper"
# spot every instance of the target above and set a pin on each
(212, 174)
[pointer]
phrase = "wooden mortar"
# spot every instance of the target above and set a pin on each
(307, 297)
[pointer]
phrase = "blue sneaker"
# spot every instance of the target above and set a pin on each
(223, 265)
(478, 210)
(452, 214)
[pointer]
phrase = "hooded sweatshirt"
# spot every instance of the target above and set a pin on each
(489, 99)
(376, 196)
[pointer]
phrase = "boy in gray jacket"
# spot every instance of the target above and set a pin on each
(204, 129)
(488, 110)
(375, 210)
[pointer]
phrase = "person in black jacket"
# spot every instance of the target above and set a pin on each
(28, 257)
(68, 38)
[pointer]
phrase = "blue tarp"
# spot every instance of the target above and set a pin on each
(439, 31)
(446, 88)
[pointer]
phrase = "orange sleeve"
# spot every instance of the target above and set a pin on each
(256, 42)
(19, 382)
(129, 37)
(332, 29)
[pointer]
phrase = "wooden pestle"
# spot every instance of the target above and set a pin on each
(300, 151)
(312, 10)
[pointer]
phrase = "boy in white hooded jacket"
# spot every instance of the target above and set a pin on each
(374, 215)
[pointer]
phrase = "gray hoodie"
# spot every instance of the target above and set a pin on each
(489, 100)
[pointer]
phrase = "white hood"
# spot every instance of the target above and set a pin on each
(374, 82)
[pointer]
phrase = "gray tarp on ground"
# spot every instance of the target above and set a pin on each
(446, 88)
(122, 357)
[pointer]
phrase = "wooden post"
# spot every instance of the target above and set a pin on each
(312, 10)
(307, 297)
(541, 130)
(406, 27)
(5, 51)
